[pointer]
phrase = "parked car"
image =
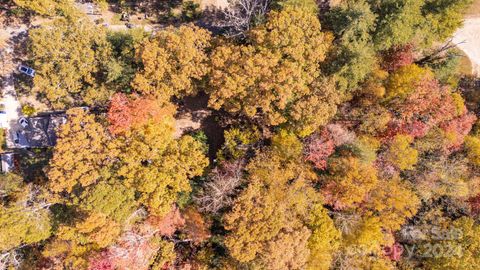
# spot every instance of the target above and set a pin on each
(129, 25)
(23, 122)
(27, 71)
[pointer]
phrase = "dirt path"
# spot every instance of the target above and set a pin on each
(468, 40)
(10, 101)
(220, 4)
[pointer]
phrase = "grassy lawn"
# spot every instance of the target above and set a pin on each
(116, 19)
(465, 65)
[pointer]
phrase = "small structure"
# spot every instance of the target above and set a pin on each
(7, 162)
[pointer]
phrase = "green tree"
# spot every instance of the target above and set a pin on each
(24, 214)
(422, 21)
(397, 23)
(123, 64)
(443, 17)
(354, 56)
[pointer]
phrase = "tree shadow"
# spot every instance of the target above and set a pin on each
(11, 15)
(214, 132)
(212, 19)
(197, 107)
(150, 7)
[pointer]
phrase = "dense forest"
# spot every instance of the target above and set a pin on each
(348, 140)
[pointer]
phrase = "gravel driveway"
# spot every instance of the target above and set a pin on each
(468, 40)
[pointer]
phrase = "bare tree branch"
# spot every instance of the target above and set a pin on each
(219, 191)
(241, 14)
(439, 53)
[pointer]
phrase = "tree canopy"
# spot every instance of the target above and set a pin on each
(285, 134)
(276, 78)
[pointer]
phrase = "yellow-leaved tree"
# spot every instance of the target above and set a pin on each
(81, 154)
(268, 221)
(276, 78)
(74, 242)
(47, 7)
(70, 57)
(394, 202)
(324, 241)
(472, 145)
(157, 165)
(404, 80)
(348, 182)
(401, 154)
(172, 61)
(24, 214)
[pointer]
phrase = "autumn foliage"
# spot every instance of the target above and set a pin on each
(319, 136)
(127, 112)
(318, 148)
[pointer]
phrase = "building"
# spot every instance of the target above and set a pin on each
(40, 132)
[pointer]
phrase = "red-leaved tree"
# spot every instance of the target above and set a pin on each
(127, 112)
(318, 148)
(416, 129)
(102, 261)
(168, 224)
(119, 113)
(458, 128)
(475, 204)
(398, 57)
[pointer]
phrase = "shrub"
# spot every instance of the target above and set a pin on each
(28, 110)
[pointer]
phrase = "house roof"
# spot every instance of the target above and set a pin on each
(41, 131)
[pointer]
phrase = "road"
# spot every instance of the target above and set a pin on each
(10, 102)
(468, 40)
